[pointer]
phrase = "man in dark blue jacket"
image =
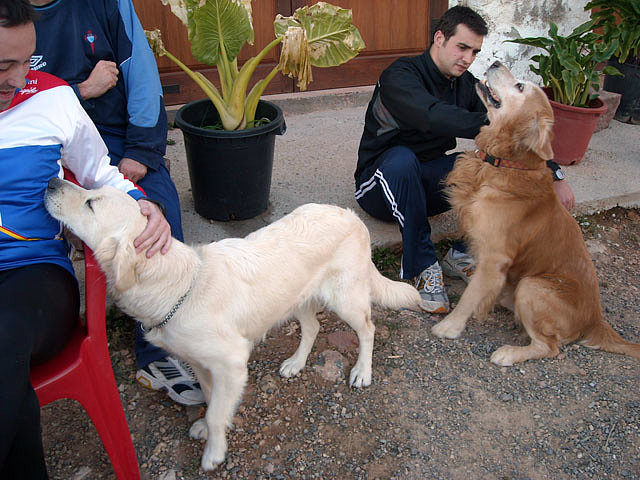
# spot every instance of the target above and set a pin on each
(100, 49)
(418, 109)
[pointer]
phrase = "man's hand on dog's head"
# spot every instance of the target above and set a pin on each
(157, 234)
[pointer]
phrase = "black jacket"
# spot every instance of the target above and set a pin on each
(415, 105)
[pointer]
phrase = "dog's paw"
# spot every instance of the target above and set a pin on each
(291, 367)
(504, 356)
(447, 329)
(360, 377)
(214, 452)
(210, 461)
(199, 430)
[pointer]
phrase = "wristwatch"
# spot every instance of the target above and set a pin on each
(558, 175)
(556, 171)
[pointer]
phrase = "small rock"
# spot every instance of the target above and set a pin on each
(382, 332)
(595, 247)
(168, 475)
(194, 413)
(330, 366)
(268, 384)
(82, 473)
(343, 340)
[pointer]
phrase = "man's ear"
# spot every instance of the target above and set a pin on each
(438, 38)
(119, 260)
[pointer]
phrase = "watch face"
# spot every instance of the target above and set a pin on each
(559, 174)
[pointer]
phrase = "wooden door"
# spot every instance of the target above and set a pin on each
(177, 86)
(389, 28)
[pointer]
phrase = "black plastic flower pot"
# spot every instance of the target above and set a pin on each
(230, 171)
(628, 86)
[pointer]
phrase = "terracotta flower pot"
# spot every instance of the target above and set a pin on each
(573, 129)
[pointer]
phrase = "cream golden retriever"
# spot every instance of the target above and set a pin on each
(527, 246)
(210, 304)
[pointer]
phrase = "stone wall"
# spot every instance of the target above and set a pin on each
(508, 19)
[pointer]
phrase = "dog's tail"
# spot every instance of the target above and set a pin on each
(391, 294)
(603, 337)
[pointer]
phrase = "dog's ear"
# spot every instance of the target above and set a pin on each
(118, 257)
(538, 135)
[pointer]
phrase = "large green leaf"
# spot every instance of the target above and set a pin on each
(331, 37)
(580, 29)
(220, 27)
(571, 67)
(541, 42)
(619, 20)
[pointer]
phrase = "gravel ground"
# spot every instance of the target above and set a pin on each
(436, 409)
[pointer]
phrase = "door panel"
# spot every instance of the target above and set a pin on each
(390, 29)
(178, 87)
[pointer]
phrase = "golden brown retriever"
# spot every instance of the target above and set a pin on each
(210, 304)
(527, 246)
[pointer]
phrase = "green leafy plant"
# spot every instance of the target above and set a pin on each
(620, 22)
(320, 35)
(387, 261)
(570, 66)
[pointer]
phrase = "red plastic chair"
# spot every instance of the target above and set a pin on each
(83, 372)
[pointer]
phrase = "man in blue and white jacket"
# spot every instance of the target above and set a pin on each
(43, 128)
(100, 49)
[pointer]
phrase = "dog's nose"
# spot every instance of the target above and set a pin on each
(53, 183)
(496, 64)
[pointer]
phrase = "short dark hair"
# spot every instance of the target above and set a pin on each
(450, 20)
(16, 12)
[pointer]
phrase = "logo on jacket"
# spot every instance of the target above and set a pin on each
(36, 63)
(91, 38)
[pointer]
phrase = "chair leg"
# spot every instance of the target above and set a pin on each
(102, 402)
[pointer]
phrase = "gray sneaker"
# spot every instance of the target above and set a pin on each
(431, 287)
(175, 377)
(459, 265)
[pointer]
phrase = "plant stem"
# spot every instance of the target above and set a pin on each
(253, 98)
(224, 68)
(238, 95)
(205, 85)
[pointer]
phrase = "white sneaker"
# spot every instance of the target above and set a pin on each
(175, 377)
(431, 287)
(458, 264)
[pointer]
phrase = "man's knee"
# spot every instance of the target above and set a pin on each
(400, 163)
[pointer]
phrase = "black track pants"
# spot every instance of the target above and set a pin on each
(38, 311)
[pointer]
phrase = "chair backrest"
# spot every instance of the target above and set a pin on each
(94, 286)
(83, 372)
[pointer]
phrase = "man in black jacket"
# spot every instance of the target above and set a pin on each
(419, 106)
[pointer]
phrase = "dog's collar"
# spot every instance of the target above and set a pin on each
(501, 162)
(169, 315)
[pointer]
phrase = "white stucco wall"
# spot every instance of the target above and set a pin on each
(508, 19)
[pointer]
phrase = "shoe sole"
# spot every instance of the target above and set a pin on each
(432, 307)
(152, 384)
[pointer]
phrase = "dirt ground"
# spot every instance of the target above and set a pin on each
(437, 409)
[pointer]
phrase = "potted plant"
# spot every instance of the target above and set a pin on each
(571, 79)
(619, 20)
(230, 136)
